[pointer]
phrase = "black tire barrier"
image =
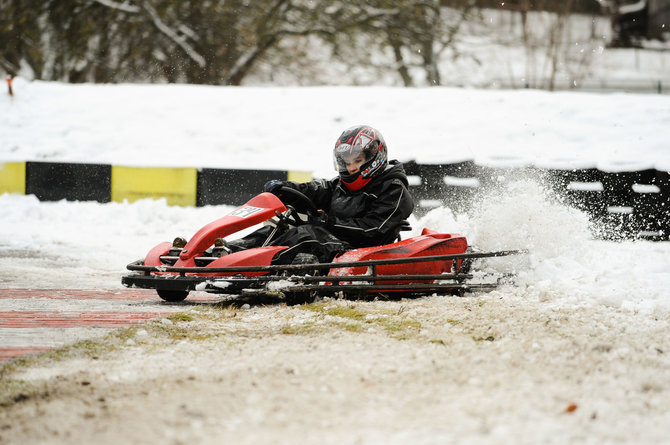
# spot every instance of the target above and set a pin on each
(53, 181)
(621, 205)
(218, 186)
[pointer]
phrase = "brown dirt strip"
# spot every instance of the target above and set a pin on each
(12, 353)
(31, 319)
(97, 294)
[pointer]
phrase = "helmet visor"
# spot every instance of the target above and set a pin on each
(356, 153)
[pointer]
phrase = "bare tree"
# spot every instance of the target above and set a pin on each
(553, 48)
(414, 33)
(212, 41)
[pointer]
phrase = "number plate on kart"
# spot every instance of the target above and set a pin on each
(246, 211)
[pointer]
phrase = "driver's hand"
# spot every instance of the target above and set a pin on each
(320, 219)
(273, 186)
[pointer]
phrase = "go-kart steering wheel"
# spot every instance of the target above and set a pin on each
(302, 200)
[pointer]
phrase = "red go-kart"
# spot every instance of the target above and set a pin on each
(429, 263)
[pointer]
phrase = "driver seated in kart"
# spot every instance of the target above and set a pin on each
(366, 205)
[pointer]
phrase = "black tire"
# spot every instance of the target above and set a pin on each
(172, 296)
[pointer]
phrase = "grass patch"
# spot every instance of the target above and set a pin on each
(180, 317)
(349, 312)
(351, 327)
(14, 391)
(301, 329)
(480, 339)
(179, 332)
(222, 310)
(313, 307)
(346, 312)
(395, 325)
(398, 326)
(354, 317)
(171, 331)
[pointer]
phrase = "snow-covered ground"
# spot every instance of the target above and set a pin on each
(578, 350)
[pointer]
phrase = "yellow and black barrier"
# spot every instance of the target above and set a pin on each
(53, 181)
(13, 177)
(176, 185)
(633, 203)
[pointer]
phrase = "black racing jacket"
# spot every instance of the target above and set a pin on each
(371, 216)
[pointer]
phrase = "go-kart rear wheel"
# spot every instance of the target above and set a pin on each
(172, 296)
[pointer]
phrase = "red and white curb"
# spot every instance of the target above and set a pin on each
(36, 320)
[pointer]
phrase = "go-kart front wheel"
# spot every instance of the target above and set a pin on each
(172, 296)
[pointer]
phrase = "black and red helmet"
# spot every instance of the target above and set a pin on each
(354, 141)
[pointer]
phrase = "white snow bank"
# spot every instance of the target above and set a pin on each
(295, 128)
(86, 244)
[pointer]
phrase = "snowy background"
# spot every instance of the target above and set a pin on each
(294, 128)
(87, 245)
(584, 330)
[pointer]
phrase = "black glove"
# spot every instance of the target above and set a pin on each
(320, 219)
(273, 186)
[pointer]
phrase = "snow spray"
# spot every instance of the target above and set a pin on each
(522, 213)
(565, 264)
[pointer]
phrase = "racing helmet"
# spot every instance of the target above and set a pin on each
(357, 143)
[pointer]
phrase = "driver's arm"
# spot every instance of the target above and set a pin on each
(319, 191)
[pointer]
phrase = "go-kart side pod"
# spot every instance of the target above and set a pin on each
(418, 246)
(260, 256)
(260, 208)
(153, 258)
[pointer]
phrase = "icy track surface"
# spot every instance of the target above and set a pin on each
(87, 245)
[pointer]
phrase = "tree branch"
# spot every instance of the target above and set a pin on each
(175, 37)
(120, 6)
